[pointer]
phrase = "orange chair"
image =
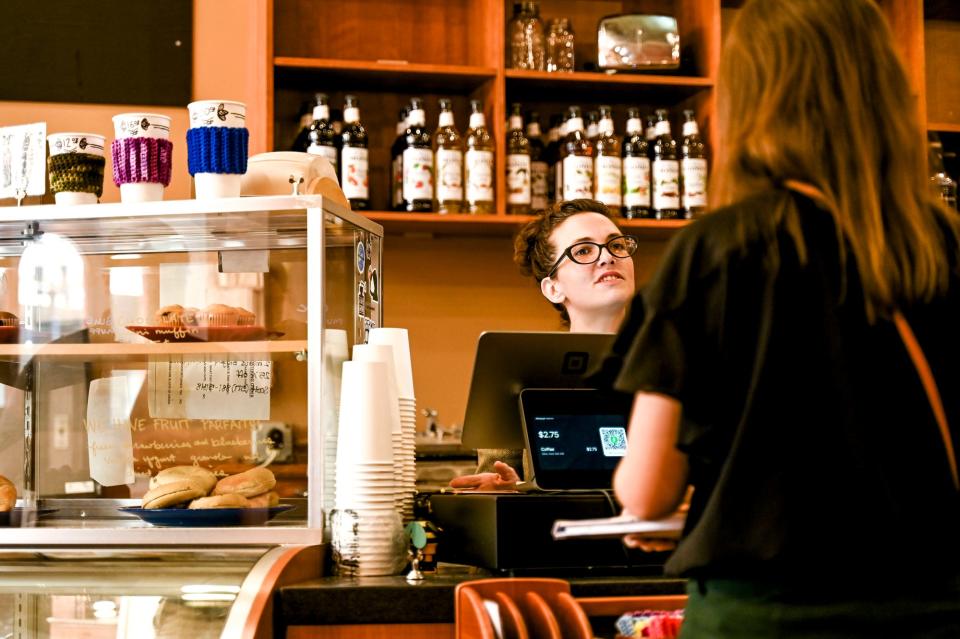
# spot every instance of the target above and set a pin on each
(540, 609)
(528, 608)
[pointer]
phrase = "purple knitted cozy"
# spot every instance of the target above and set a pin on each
(142, 160)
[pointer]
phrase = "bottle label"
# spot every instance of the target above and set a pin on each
(666, 184)
(558, 181)
(449, 175)
(577, 177)
(328, 152)
(607, 171)
(354, 180)
(397, 181)
(479, 175)
(694, 172)
(538, 185)
(518, 179)
(636, 182)
(417, 174)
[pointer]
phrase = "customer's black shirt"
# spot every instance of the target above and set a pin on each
(810, 439)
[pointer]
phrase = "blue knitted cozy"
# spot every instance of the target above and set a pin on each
(217, 149)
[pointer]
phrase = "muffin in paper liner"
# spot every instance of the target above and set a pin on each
(245, 317)
(217, 315)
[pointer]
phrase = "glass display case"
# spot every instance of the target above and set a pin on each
(137, 594)
(139, 337)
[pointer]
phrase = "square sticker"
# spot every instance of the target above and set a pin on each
(614, 441)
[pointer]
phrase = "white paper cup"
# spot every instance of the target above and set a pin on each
(70, 198)
(90, 143)
(365, 418)
(209, 186)
(141, 125)
(399, 339)
(141, 192)
(382, 353)
(226, 113)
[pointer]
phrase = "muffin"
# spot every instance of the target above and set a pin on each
(245, 317)
(217, 315)
(8, 319)
(171, 315)
(189, 316)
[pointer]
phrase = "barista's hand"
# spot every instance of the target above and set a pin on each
(505, 478)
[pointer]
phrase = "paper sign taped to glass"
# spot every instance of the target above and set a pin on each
(23, 160)
(209, 387)
(109, 440)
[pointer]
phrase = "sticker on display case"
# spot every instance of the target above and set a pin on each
(23, 160)
(361, 299)
(374, 285)
(361, 257)
(210, 387)
(109, 430)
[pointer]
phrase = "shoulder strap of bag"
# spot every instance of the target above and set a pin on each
(913, 349)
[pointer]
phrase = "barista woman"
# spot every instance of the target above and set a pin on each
(793, 327)
(581, 262)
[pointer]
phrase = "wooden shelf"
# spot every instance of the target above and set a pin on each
(944, 127)
(941, 10)
(395, 223)
(382, 74)
(536, 85)
(112, 350)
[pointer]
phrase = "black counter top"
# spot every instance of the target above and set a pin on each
(394, 600)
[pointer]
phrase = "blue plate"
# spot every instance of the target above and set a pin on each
(207, 517)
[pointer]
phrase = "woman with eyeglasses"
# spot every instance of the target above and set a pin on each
(806, 333)
(582, 263)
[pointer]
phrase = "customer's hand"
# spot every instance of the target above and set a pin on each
(652, 543)
(505, 478)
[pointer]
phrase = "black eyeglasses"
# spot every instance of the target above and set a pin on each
(589, 252)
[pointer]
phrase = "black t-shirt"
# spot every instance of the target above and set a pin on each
(811, 443)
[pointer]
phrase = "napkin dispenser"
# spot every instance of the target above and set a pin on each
(637, 42)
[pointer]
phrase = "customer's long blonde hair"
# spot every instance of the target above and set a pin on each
(813, 91)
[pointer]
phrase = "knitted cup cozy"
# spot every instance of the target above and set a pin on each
(142, 160)
(76, 173)
(217, 149)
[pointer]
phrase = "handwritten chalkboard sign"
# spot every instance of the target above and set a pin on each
(108, 51)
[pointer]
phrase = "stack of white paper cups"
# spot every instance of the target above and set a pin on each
(384, 353)
(399, 340)
(366, 529)
(335, 353)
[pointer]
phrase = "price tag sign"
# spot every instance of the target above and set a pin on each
(234, 386)
(23, 160)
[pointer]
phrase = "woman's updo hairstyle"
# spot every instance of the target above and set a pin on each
(532, 251)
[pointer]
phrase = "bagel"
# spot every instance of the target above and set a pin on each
(203, 478)
(175, 492)
(233, 500)
(8, 495)
(266, 500)
(248, 483)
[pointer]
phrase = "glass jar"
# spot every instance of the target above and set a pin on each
(560, 45)
(525, 37)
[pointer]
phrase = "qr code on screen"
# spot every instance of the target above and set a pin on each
(614, 441)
